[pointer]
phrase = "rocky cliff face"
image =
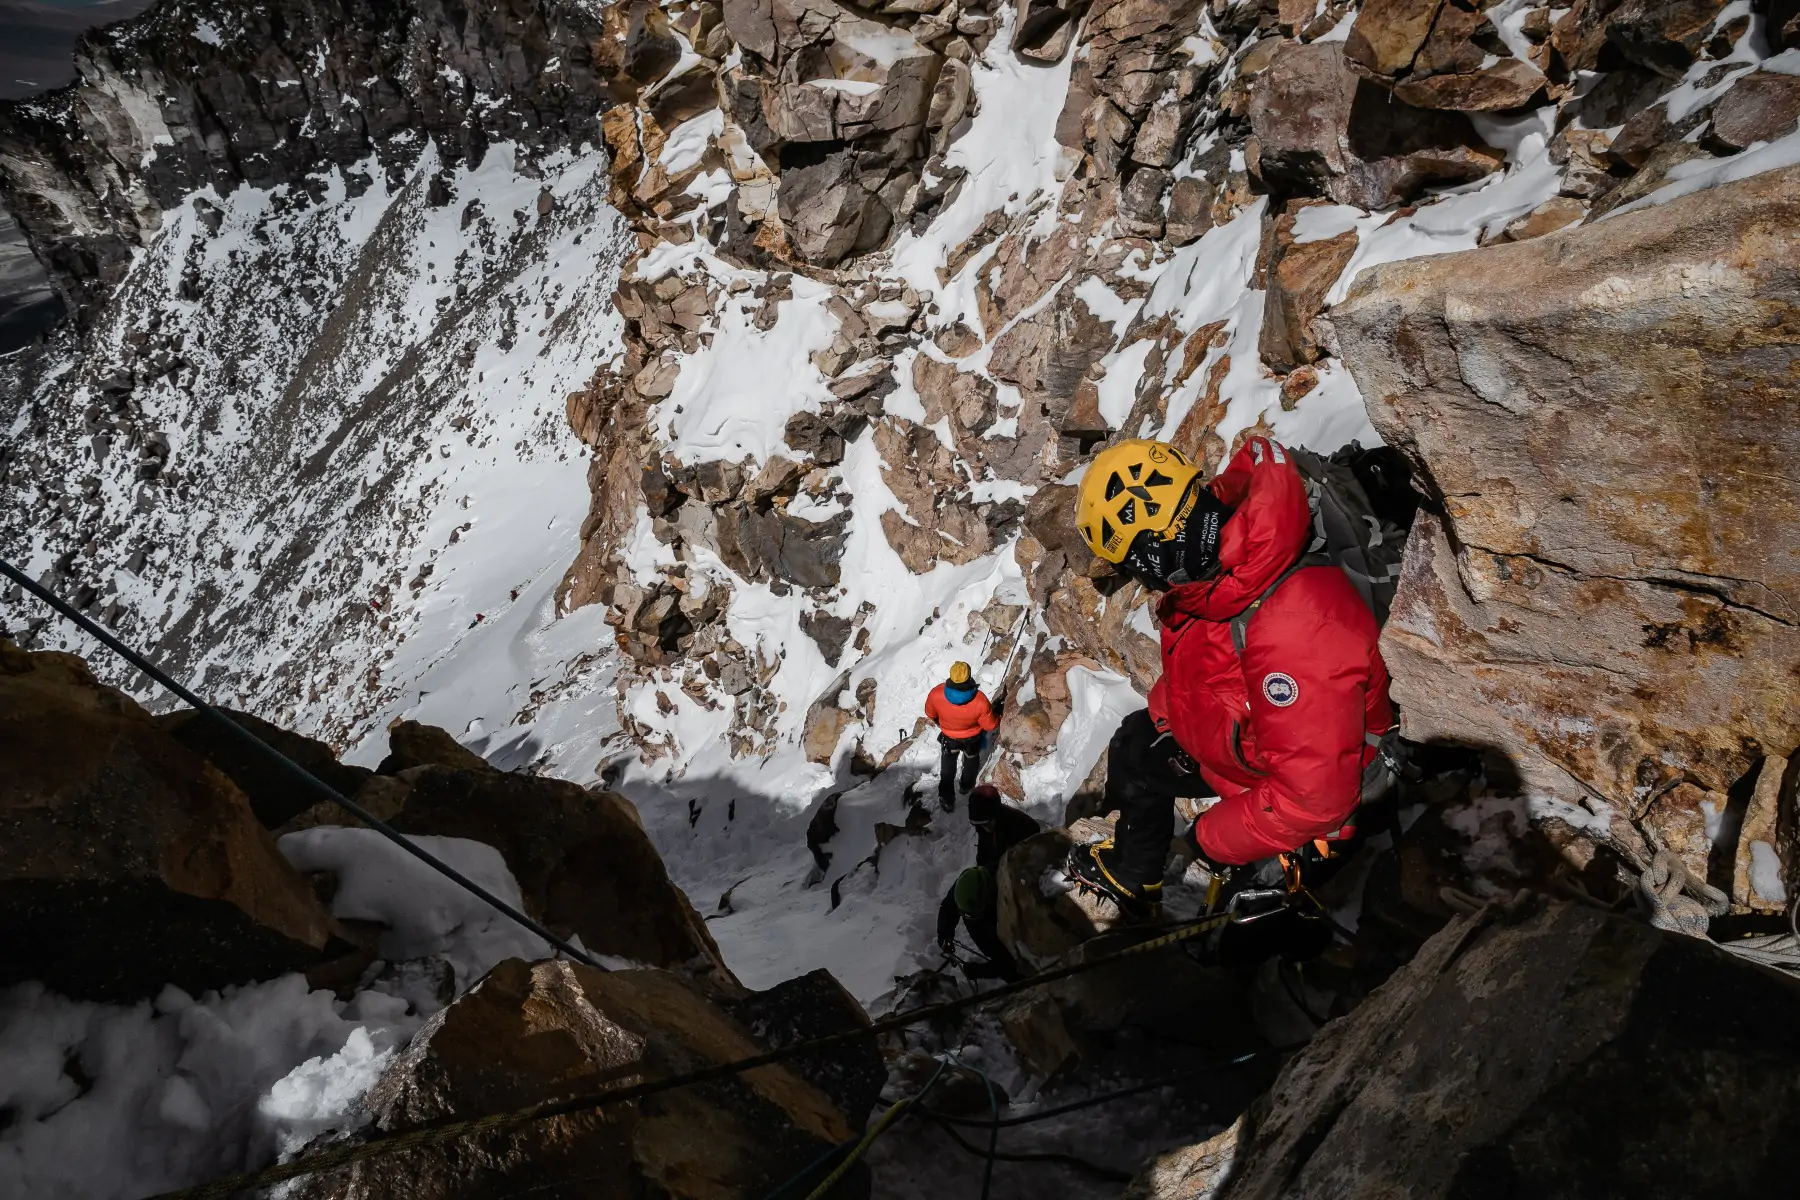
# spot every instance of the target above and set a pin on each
(335, 280)
(1610, 596)
(1219, 175)
(202, 95)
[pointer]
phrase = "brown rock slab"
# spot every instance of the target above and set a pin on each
(825, 725)
(1190, 210)
(1388, 34)
(1663, 35)
(127, 861)
(1558, 212)
(275, 797)
(1509, 83)
(1322, 130)
(414, 744)
(530, 1032)
(582, 860)
(1553, 1051)
(1611, 600)
(1298, 280)
(1187, 1172)
(1760, 107)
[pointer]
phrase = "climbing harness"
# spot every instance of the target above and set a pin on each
(289, 767)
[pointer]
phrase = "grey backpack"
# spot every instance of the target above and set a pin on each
(1362, 506)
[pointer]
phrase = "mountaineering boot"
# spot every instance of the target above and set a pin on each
(1096, 868)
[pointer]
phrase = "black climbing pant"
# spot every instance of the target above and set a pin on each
(969, 751)
(1145, 773)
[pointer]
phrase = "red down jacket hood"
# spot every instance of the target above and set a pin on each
(1279, 729)
(1270, 525)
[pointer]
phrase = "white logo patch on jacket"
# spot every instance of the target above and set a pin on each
(1279, 689)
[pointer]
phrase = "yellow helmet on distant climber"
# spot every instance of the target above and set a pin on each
(1129, 488)
(959, 673)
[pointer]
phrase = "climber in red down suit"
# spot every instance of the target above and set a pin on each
(1280, 721)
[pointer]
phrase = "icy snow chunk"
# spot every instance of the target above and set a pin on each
(849, 87)
(1098, 701)
(688, 142)
(1785, 63)
(1765, 872)
(206, 31)
(1118, 388)
(1321, 222)
(177, 1087)
(319, 1092)
(1105, 303)
(426, 914)
(1702, 173)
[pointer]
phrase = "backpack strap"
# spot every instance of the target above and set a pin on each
(1240, 624)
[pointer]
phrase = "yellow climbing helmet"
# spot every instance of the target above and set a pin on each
(1129, 488)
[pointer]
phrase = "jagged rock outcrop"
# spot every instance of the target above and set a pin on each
(274, 795)
(584, 865)
(535, 1031)
(1323, 130)
(1555, 1050)
(204, 93)
(1611, 596)
(1439, 54)
(127, 862)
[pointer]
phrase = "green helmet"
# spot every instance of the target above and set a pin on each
(974, 891)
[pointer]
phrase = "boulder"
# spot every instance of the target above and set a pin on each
(1164, 998)
(530, 1032)
(1663, 35)
(1760, 107)
(836, 206)
(839, 107)
(1555, 1051)
(584, 865)
(1036, 928)
(1388, 35)
(274, 796)
(1300, 275)
(804, 1009)
(1190, 210)
(1508, 83)
(1045, 28)
(127, 861)
(413, 744)
(1610, 597)
(824, 728)
(769, 544)
(1321, 130)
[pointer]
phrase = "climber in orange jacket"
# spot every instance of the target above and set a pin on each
(964, 718)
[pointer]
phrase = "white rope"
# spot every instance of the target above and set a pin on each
(1676, 899)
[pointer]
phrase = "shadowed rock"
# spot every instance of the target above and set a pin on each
(127, 862)
(1561, 1051)
(1612, 594)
